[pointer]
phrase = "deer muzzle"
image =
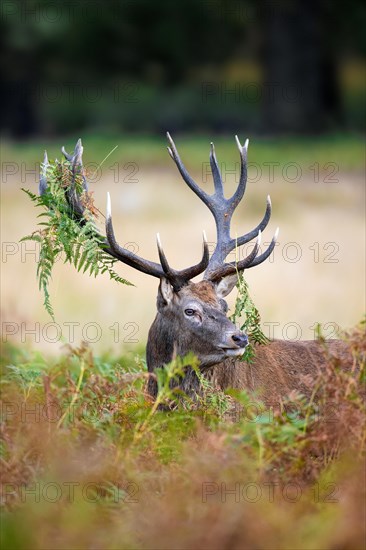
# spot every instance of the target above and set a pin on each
(237, 343)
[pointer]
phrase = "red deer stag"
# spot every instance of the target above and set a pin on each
(192, 317)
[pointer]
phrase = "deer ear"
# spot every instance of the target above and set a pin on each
(166, 292)
(226, 285)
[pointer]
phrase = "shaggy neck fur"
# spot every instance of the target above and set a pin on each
(161, 349)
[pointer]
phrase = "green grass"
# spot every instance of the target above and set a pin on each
(345, 150)
(90, 462)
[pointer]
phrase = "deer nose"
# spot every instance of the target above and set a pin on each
(240, 339)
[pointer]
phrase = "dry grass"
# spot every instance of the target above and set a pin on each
(86, 479)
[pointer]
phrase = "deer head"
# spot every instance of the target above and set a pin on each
(191, 316)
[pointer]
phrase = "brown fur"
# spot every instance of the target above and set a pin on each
(204, 290)
(281, 368)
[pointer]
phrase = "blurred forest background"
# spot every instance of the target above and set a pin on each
(275, 66)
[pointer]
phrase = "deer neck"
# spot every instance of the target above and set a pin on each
(162, 347)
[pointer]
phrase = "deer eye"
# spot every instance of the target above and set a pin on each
(189, 312)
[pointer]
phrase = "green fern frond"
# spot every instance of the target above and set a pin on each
(244, 306)
(59, 233)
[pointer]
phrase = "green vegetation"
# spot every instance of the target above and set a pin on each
(346, 151)
(245, 307)
(90, 461)
(80, 242)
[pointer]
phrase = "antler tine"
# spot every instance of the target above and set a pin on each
(216, 172)
(243, 150)
(163, 260)
(66, 154)
(187, 178)
(189, 272)
(228, 269)
(77, 154)
(179, 278)
(71, 193)
(258, 260)
(43, 175)
(77, 149)
(260, 227)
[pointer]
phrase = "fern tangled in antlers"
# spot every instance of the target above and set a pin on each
(61, 233)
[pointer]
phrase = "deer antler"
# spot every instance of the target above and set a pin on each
(222, 210)
(109, 243)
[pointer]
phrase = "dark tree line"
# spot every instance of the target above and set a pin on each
(168, 49)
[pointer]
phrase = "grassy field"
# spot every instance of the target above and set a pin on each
(315, 275)
(88, 462)
(346, 151)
